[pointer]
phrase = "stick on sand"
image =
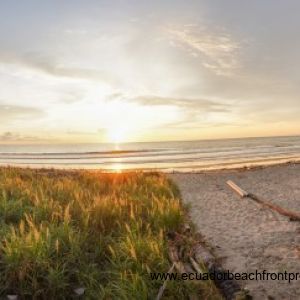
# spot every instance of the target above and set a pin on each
(237, 189)
(292, 215)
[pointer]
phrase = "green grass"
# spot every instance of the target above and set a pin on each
(64, 230)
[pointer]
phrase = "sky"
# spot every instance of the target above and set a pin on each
(122, 71)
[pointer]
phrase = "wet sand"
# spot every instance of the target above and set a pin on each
(244, 235)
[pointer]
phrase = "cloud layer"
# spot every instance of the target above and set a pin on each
(161, 70)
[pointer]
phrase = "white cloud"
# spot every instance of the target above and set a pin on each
(14, 112)
(216, 48)
(9, 136)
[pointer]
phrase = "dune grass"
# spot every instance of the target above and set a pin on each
(105, 233)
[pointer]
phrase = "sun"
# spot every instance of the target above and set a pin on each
(116, 135)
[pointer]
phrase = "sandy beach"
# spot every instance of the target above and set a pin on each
(245, 236)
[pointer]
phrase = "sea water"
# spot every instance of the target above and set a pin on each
(165, 156)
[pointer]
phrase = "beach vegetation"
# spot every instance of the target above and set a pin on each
(66, 233)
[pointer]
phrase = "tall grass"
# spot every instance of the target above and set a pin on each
(105, 233)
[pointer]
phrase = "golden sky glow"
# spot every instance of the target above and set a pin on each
(122, 71)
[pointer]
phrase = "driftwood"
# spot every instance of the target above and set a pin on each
(230, 289)
(196, 266)
(179, 265)
(173, 253)
(200, 256)
(288, 213)
(237, 189)
(163, 287)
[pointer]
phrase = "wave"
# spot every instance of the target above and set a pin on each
(155, 155)
(116, 152)
(165, 154)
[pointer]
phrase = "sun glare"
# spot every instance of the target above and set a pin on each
(116, 135)
(117, 168)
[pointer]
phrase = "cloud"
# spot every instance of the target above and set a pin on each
(15, 112)
(194, 112)
(189, 104)
(183, 103)
(97, 132)
(216, 48)
(51, 66)
(7, 136)
(16, 137)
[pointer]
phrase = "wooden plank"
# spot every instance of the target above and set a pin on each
(237, 189)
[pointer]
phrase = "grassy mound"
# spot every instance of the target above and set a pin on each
(105, 233)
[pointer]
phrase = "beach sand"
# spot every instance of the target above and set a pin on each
(245, 236)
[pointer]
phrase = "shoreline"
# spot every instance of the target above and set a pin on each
(185, 170)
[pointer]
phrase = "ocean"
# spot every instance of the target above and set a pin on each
(165, 156)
